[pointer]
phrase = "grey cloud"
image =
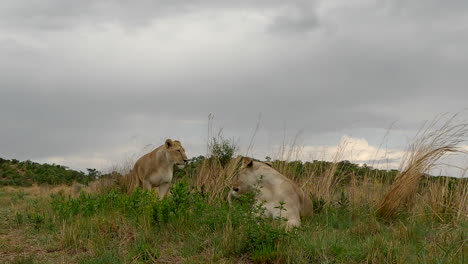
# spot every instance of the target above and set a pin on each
(58, 15)
(430, 9)
(300, 18)
(76, 92)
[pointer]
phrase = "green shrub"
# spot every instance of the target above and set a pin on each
(222, 150)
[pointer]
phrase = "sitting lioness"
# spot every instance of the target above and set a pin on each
(155, 169)
(272, 188)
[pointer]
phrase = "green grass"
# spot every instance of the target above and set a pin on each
(186, 227)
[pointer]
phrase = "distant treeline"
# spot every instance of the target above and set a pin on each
(25, 173)
(344, 171)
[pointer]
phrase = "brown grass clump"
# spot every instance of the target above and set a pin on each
(440, 198)
(217, 171)
(327, 183)
(447, 198)
(431, 144)
(118, 175)
(108, 182)
(364, 191)
(462, 202)
(214, 178)
(322, 184)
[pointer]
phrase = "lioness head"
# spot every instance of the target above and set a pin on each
(249, 176)
(175, 152)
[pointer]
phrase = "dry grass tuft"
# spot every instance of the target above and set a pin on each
(108, 182)
(119, 175)
(447, 198)
(432, 143)
(322, 184)
(214, 178)
(328, 181)
(364, 192)
(219, 168)
(462, 202)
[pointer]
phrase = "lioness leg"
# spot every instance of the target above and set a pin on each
(146, 185)
(163, 189)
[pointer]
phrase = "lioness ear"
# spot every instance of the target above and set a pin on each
(169, 143)
(268, 163)
(247, 162)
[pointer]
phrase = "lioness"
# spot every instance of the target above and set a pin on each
(272, 188)
(155, 169)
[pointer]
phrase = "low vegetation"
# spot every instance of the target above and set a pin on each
(26, 173)
(189, 227)
(195, 224)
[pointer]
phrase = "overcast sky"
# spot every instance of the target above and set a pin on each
(90, 83)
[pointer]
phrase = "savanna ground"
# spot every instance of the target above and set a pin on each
(188, 227)
(359, 216)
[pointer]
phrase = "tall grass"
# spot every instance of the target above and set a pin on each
(325, 186)
(219, 168)
(214, 178)
(434, 141)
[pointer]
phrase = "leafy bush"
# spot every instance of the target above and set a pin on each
(222, 150)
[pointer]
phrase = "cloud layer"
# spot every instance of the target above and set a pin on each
(89, 81)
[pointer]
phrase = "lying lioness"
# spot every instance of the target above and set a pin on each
(156, 168)
(272, 188)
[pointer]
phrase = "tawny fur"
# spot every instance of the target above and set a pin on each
(156, 169)
(273, 188)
